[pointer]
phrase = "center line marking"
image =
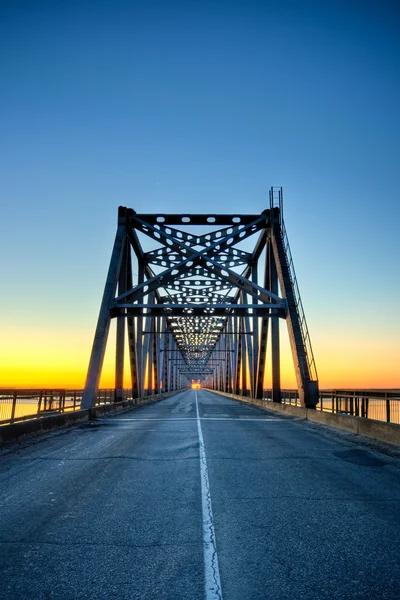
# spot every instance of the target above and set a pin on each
(211, 570)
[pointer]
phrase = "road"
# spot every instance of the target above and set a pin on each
(198, 497)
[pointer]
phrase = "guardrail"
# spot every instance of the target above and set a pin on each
(379, 405)
(21, 405)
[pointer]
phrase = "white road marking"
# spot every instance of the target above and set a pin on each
(213, 590)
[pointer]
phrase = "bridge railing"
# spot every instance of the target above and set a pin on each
(20, 405)
(379, 405)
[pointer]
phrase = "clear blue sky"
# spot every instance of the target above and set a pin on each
(199, 106)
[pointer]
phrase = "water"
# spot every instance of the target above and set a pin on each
(27, 405)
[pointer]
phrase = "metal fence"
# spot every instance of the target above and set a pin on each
(20, 405)
(380, 405)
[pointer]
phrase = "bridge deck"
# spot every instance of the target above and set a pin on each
(121, 509)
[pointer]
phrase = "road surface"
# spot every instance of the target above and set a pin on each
(198, 497)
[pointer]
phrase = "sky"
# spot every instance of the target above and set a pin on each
(199, 106)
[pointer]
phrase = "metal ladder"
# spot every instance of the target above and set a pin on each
(276, 201)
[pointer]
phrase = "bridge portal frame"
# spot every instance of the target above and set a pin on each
(198, 306)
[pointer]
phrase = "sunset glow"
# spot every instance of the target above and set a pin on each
(59, 359)
(199, 108)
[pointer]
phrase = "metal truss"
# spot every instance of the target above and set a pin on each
(196, 310)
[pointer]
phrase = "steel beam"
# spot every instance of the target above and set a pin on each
(188, 312)
(275, 343)
(308, 390)
(103, 323)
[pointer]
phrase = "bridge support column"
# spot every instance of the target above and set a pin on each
(255, 336)
(104, 320)
(275, 344)
(132, 334)
(307, 388)
(120, 336)
(208, 311)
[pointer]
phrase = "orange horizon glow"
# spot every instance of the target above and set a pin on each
(46, 359)
(57, 381)
(75, 379)
(107, 382)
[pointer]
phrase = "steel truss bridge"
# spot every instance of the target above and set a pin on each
(199, 306)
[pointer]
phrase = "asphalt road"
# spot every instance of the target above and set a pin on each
(158, 504)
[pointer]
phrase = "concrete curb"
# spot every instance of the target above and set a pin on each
(377, 430)
(18, 431)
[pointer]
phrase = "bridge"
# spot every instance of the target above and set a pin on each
(197, 310)
(195, 491)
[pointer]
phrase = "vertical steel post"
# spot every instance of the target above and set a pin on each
(387, 402)
(230, 356)
(239, 346)
(148, 351)
(103, 322)
(235, 354)
(255, 338)
(243, 357)
(139, 332)
(166, 363)
(275, 346)
(264, 329)
(308, 390)
(248, 355)
(132, 331)
(13, 406)
(156, 353)
(120, 334)
(227, 358)
(172, 372)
